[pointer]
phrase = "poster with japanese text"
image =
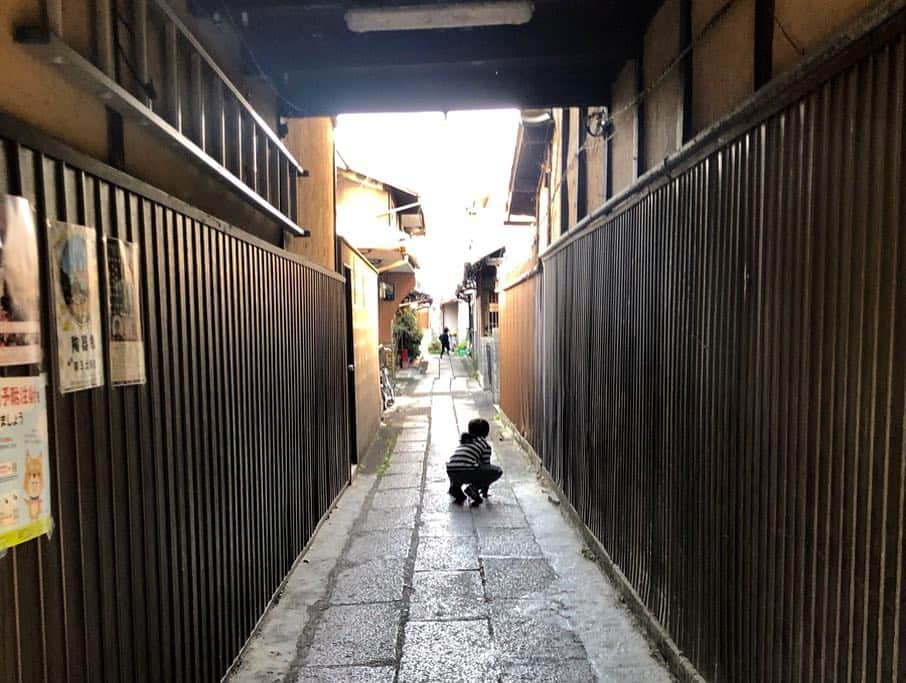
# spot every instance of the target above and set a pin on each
(77, 308)
(24, 473)
(127, 349)
(20, 314)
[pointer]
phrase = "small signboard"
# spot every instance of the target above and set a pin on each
(20, 313)
(24, 471)
(77, 308)
(127, 348)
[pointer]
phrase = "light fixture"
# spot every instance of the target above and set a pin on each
(439, 16)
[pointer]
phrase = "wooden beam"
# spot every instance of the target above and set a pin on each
(171, 76)
(53, 14)
(198, 108)
(140, 45)
(684, 131)
(103, 26)
(582, 173)
(764, 42)
(564, 172)
(639, 117)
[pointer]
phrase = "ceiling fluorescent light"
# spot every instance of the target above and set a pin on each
(439, 16)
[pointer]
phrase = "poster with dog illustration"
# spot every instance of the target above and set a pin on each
(77, 307)
(20, 313)
(24, 471)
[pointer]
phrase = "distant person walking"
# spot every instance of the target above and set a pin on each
(445, 342)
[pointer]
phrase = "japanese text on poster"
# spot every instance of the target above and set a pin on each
(77, 310)
(20, 316)
(24, 475)
(127, 349)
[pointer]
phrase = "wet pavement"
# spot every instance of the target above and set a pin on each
(403, 585)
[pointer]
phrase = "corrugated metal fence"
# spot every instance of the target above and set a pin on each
(723, 388)
(179, 505)
(519, 368)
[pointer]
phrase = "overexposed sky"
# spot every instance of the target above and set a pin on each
(450, 162)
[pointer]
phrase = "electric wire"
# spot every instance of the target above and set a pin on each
(610, 125)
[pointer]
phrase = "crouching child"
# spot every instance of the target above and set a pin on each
(470, 465)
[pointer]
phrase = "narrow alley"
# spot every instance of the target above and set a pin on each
(402, 584)
(263, 263)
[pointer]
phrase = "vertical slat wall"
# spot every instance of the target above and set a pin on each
(723, 389)
(520, 344)
(179, 505)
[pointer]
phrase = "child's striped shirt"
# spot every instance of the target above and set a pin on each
(467, 456)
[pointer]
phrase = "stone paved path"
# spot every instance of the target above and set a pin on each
(401, 584)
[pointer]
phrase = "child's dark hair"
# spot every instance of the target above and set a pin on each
(479, 427)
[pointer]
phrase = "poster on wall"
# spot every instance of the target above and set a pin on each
(77, 308)
(20, 313)
(127, 348)
(24, 473)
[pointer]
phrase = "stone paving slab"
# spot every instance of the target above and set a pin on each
(410, 446)
(446, 552)
(392, 499)
(400, 457)
(399, 481)
(347, 674)
(416, 434)
(459, 523)
(397, 467)
(403, 518)
(533, 630)
(440, 595)
(355, 634)
(512, 578)
(385, 544)
(502, 517)
(566, 671)
(447, 652)
(371, 581)
(495, 542)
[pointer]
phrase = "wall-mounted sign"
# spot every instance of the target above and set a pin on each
(77, 308)
(24, 473)
(20, 313)
(127, 349)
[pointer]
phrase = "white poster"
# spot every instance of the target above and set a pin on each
(127, 349)
(24, 472)
(20, 314)
(77, 308)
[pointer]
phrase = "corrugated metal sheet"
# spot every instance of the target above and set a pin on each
(179, 505)
(723, 388)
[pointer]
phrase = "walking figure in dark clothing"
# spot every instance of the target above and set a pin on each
(470, 465)
(445, 342)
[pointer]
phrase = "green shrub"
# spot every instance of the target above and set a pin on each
(407, 333)
(434, 346)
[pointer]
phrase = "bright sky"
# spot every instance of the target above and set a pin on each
(450, 162)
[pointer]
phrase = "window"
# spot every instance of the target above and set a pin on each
(493, 312)
(386, 291)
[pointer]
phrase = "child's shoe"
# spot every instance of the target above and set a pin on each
(473, 493)
(456, 492)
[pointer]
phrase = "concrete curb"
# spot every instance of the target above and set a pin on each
(677, 662)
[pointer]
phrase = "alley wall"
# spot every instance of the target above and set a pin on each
(718, 393)
(655, 109)
(179, 504)
(364, 281)
(312, 139)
